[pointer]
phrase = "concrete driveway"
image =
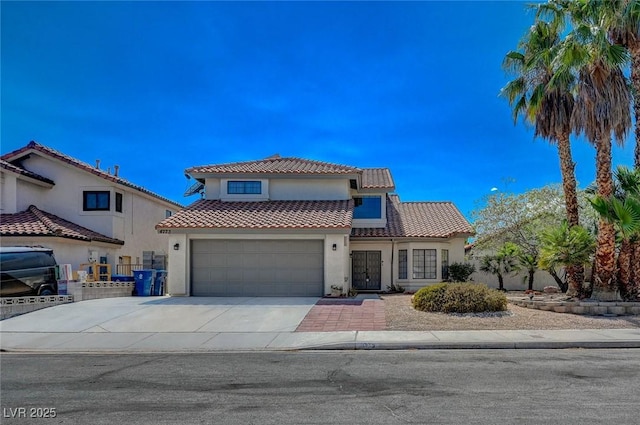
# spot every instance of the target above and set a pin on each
(167, 315)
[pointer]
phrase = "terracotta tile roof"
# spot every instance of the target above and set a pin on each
(35, 222)
(377, 178)
(419, 220)
(276, 165)
(34, 146)
(18, 170)
(215, 214)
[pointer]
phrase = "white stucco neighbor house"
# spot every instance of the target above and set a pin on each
(296, 227)
(84, 213)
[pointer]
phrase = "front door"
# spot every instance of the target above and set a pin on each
(366, 270)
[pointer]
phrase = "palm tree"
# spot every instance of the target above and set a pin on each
(621, 19)
(565, 245)
(549, 108)
(502, 263)
(602, 108)
(623, 210)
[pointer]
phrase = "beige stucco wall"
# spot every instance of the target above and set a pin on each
(8, 193)
(514, 282)
(283, 189)
(308, 189)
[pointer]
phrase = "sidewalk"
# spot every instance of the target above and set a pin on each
(163, 324)
(343, 340)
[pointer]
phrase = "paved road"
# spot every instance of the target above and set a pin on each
(355, 387)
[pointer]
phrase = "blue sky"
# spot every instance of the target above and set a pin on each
(157, 87)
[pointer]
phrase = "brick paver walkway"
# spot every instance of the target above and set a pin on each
(365, 316)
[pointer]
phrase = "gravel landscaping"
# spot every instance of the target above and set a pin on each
(401, 316)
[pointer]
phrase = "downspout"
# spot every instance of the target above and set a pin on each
(393, 250)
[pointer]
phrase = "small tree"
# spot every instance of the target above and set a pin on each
(528, 262)
(566, 246)
(460, 272)
(501, 264)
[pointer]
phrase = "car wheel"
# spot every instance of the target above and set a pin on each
(46, 291)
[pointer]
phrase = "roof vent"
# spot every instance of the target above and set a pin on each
(116, 170)
(98, 164)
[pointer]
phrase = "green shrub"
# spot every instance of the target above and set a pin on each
(460, 272)
(459, 298)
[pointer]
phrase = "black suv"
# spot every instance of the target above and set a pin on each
(27, 271)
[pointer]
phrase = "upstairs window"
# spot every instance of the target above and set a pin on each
(244, 187)
(96, 200)
(118, 202)
(367, 207)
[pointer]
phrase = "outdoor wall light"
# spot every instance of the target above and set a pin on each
(176, 246)
(334, 247)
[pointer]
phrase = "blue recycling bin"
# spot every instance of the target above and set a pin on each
(144, 282)
(159, 282)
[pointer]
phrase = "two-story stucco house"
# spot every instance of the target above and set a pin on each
(82, 212)
(296, 227)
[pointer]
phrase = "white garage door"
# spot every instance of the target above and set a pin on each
(232, 268)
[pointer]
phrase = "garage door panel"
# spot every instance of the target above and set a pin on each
(257, 267)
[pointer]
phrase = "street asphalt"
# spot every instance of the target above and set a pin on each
(165, 324)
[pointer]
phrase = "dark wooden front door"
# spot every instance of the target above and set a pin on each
(366, 270)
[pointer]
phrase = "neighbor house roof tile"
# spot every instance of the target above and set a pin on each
(34, 146)
(35, 222)
(377, 178)
(276, 166)
(215, 214)
(419, 220)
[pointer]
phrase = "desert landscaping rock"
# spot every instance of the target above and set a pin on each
(401, 316)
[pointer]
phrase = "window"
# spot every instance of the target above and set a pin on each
(367, 207)
(96, 200)
(445, 264)
(244, 187)
(167, 213)
(424, 263)
(118, 202)
(402, 264)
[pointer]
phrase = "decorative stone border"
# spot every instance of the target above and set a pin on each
(101, 289)
(590, 308)
(77, 291)
(15, 306)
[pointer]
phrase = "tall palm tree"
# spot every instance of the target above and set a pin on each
(623, 210)
(602, 109)
(621, 18)
(549, 108)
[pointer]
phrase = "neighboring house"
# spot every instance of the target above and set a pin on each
(82, 212)
(296, 227)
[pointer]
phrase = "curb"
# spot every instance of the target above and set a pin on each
(524, 345)
(364, 346)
